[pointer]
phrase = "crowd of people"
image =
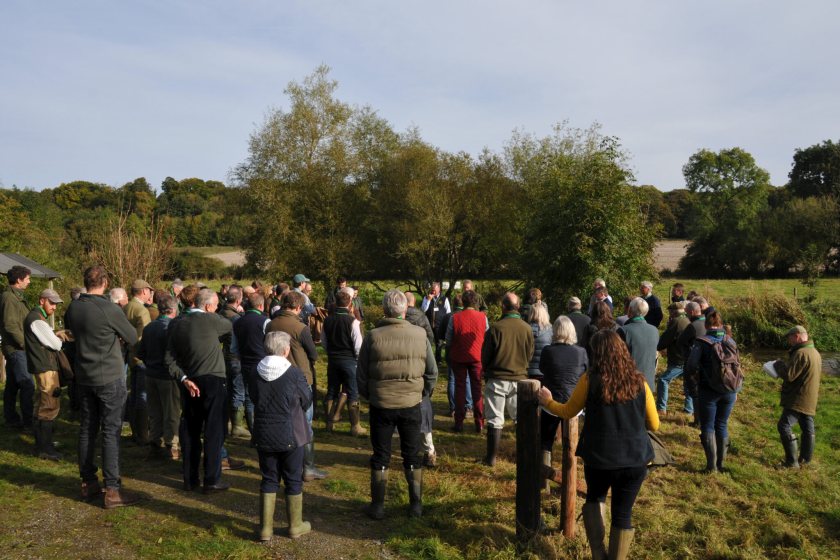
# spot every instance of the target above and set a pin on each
(189, 367)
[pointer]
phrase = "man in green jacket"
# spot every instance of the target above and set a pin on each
(800, 389)
(13, 311)
(138, 315)
(396, 369)
(505, 355)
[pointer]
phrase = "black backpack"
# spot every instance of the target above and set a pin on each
(726, 375)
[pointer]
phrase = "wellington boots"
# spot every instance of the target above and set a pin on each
(44, 440)
(791, 459)
(414, 477)
(140, 425)
(722, 444)
(329, 406)
(620, 541)
(237, 423)
(807, 451)
(378, 484)
(547, 470)
(294, 512)
(267, 502)
(310, 471)
(355, 420)
(593, 522)
(493, 437)
(114, 498)
(342, 400)
(710, 447)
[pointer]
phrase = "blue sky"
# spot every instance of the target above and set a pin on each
(110, 91)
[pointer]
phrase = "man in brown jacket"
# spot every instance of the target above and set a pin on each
(13, 312)
(138, 315)
(800, 389)
(505, 355)
(303, 354)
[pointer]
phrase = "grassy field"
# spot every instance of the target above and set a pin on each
(753, 512)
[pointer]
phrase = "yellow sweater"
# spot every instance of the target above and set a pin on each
(578, 400)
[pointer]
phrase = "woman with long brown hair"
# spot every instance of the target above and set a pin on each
(614, 444)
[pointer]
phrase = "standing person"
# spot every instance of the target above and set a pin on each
(641, 339)
(435, 305)
(42, 346)
(427, 413)
(480, 305)
(13, 312)
(396, 370)
(561, 365)
(464, 340)
(358, 307)
(541, 327)
(621, 320)
(599, 293)
(654, 315)
(505, 354)
(304, 288)
(533, 296)
(138, 315)
(342, 340)
(164, 393)
(670, 343)
(800, 390)
(194, 357)
(303, 355)
(677, 293)
(419, 318)
(715, 401)
(443, 327)
(240, 409)
(98, 326)
(281, 395)
(579, 320)
(696, 328)
(329, 304)
(614, 444)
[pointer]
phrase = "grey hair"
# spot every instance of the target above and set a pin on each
(647, 285)
(539, 314)
(700, 300)
(234, 294)
(178, 282)
(204, 296)
(277, 342)
(116, 294)
(638, 308)
(564, 331)
(394, 304)
(692, 307)
(599, 282)
(349, 291)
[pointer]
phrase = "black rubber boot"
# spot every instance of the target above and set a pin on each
(722, 444)
(710, 448)
(414, 477)
(806, 453)
(493, 437)
(46, 449)
(378, 484)
(789, 444)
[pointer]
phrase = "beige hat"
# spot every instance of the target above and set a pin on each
(798, 329)
(140, 285)
(51, 295)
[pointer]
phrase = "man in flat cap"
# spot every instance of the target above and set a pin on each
(138, 315)
(800, 377)
(42, 346)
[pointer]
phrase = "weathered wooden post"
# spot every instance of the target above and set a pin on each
(528, 459)
(569, 491)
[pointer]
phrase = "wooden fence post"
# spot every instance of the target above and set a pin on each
(529, 479)
(569, 489)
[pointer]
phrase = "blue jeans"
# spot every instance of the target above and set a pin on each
(714, 409)
(450, 391)
(240, 388)
(138, 396)
(672, 373)
(342, 372)
(18, 380)
(789, 418)
(101, 407)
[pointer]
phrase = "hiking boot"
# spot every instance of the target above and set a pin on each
(294, 512)
(310, 471)
(267, 502)
(593, 523)
(414, 478)
(231, 464)
(355, 420)
(493, 437)
(378, 485)
(710, 448)
(91, 490)
(114, 498)
(620, 541)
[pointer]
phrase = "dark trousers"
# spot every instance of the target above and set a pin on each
(789, 418)
(101, 406)
(625, 484)
(383, 421)
(286, 464)
(714, 409)
(18, 380)
(548, 430)
(204, 413)
(342, 371)
(473, 372)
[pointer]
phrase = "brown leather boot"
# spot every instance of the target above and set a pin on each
(91, 490)
(114, 498)
(231, 464)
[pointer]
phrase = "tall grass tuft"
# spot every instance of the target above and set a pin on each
(762, 320)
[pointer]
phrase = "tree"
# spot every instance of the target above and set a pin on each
(804, 236)
(731, 192)
(816, 170)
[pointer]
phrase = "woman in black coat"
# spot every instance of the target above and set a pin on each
(281, 396)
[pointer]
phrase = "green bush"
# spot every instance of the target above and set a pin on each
(762, 320)
(190, 264)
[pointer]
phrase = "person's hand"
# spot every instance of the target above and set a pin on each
(544, 396)
(192, 388)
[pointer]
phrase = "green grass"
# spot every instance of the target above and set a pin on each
(752, 512)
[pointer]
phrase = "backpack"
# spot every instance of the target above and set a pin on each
(726, 375)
